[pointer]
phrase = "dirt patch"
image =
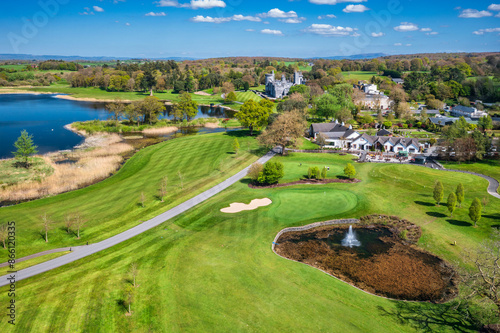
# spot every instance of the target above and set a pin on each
(307, 182)
(211, 125)
(384, 265)
(160, 130)
(240, 207)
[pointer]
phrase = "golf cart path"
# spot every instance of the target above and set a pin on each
(85, 251)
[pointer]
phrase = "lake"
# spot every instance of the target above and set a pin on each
(44, 117)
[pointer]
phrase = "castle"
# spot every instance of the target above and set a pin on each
(280, 88)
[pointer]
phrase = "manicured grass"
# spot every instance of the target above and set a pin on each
(209, 271)
(359, 75)
(31, 262)
(307, 145)
(246, 96)
(486, 167)
(301, 68)
(112, 206)
(92, 92)
(11, 173)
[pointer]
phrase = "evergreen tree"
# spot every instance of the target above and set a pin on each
(25, 148)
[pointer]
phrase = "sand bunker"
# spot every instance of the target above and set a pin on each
(240, 207)
(202, 93)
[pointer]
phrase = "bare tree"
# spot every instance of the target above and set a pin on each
(142, 199)
(321, 140)
(129, 293)
(285, 131)
(79, 221)
(181, 178)
(134, 270)
(483, 280)
(4, 234)
(47, 225)
(68, 222)
(162, 191)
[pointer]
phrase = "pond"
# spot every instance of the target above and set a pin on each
(45, 116)
(381, 263)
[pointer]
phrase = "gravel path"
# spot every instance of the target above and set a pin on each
(85, 251)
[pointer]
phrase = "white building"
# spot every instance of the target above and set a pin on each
(467, 112)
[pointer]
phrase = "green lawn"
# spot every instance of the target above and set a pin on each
(92, 92)
(487, 167)
(359, 75)
(206, 271)
(301, 68)
(112, 206)
(246, 96)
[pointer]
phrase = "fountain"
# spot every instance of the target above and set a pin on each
(350, 240)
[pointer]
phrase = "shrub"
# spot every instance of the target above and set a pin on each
(271, 173)
(255, 171)
(404, 234)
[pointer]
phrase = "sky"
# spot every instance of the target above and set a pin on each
(221, 28)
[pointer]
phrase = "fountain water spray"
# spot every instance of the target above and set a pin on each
(350, 240)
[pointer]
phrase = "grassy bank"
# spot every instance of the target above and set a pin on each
(11, 173)
(209, 271)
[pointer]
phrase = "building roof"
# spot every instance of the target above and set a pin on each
(465, 109)
(428, 111)
(443, 121)
(384, 132)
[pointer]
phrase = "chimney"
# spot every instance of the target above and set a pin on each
(350, 127)
(343, 124)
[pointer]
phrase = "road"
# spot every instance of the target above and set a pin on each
(85, 251)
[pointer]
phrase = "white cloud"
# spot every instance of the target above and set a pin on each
(293, 20)
(334, 2)
(98, 9)
(426, 29)
(375, 34)
(398, 44)
(432, 33)
(329, 30)
(250, 30)
(209, 19)
(474, 13)
(328, 16)
(194, 4)
(355, 9)
(127, 24)
(156, 14)
(406, 26)
(278, 13)
(271, 32)
(494, 7)
(482, 31)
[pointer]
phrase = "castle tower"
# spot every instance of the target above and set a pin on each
(269, 78)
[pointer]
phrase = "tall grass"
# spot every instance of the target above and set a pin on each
(91, 165)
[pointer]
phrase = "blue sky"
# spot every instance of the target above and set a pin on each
(215, 28)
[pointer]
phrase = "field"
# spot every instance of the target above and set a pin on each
(301, 68)
(206, 271)
(113, 205)
(487, 167)
(360, 76)
(246, 96)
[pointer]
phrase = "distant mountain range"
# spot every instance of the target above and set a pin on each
(355, 56)
(26, 57)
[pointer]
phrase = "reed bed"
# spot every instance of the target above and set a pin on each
(91, 165)
(160, 130)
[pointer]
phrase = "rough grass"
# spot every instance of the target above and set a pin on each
(92, 165)
(112, 206)
(11, 173)
(207, 271)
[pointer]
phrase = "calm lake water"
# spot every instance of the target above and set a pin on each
(44, 117)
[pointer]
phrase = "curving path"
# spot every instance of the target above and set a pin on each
(84, 251)
(492, 188)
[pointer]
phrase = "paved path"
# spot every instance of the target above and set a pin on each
(84, 251)
(40, 254)
(492, 188)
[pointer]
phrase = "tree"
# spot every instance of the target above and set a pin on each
(47, 225)
(485, 123)
(142, 199)
(236, 146)
(271, 173)
(326, 106)
(231, 97)
(475, 211)
(186, 107)
(284, 131)
(79, 221)
(254, 115)
(181, 179)
(134, 270)
(129, 293)
(438, 192)
(25, 148)
(460, 193)
(452, 203)
(324, 172)
(162, 192)
(116, 110)
(68, 222)
(254, 171)
(349, 171)
(149, 108)
(483, 281)
(321, 140)
(4, 233)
